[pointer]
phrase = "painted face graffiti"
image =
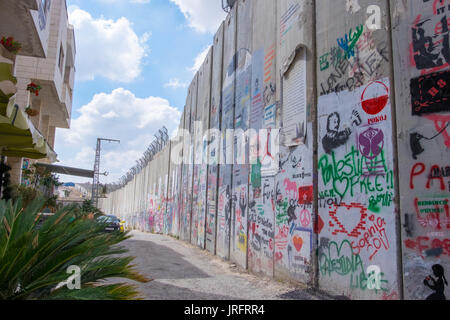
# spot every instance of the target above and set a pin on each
(430, 43)
(334, 137)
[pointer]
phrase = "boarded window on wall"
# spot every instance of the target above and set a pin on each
(294, 102)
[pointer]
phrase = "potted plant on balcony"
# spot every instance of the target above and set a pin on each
(34, 88)
(31, 112)
(11, 45)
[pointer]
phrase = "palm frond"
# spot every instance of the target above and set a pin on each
(34, 260)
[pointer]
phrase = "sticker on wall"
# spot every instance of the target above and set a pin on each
(295, 104)
(375, 98)
(430, 93)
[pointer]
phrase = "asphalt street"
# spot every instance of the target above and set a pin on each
(181, 271)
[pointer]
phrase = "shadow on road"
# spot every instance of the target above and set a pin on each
(161, 262)
(307, 294)
(161, 291)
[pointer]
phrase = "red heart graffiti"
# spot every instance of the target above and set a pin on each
(342, 229)
(298, 243)
(278, 256)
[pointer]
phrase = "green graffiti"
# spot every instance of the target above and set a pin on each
(282, 216)
(380, 200)
(341, 260)
(355, 174)
(255, 176)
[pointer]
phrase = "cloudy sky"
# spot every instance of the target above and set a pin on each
(135, 60)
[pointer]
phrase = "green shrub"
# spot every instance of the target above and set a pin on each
(34, 258)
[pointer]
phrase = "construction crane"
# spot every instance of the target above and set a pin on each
(96, 181)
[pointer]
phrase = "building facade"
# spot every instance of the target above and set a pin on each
(47, 59)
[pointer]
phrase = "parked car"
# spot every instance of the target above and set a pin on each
(112, 223)
(42, 217)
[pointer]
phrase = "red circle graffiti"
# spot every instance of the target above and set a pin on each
(377, 104)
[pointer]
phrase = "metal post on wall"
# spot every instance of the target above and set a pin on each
(96, 179)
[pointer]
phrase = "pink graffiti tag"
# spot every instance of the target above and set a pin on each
(291, 188)
(441, 124)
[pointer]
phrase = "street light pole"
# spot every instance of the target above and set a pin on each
(95, 183)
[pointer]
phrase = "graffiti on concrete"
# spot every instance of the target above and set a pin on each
(430, 93)
(438, 284)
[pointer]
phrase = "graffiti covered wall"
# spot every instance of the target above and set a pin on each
(353, 196)
(357, 213)
(243, 60)
(422, 68)
(224, 203)
(261, 211)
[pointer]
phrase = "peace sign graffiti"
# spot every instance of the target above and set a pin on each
(305, 218)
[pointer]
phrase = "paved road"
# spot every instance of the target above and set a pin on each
(184, 272)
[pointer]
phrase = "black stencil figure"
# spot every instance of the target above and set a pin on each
(437, 285)
(424, 47)
(291, 211)
(427, 54)
(415, 139)
(335, 138)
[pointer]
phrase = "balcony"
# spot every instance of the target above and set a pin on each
(32, 31)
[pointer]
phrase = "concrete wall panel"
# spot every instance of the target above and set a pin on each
(214, 141)
(356, 154)
(239, 228)
(422, 66)
(261, 219)
(227, 122)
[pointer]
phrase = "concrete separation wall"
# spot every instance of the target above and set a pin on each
(353, 199)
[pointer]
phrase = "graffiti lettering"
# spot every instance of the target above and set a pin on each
(432, 247)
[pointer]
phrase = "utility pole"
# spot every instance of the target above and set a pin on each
(96, 181)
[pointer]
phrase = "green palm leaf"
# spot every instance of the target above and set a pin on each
(34, 258)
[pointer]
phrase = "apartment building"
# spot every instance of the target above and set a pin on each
(47, 60)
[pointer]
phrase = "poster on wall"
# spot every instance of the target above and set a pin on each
(294, 103)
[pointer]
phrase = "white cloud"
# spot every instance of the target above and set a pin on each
(107, 48)
(199, 60)
(175, 84)
(202, 15)
(132, 1)
(116, 115)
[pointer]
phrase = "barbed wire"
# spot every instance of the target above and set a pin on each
(157, 145)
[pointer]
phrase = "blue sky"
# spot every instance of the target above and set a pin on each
(135, 59)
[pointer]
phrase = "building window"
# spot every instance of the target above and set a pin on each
(61, 59)
(44, 7)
